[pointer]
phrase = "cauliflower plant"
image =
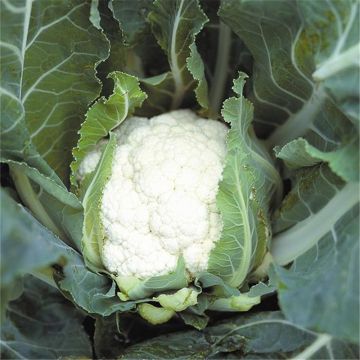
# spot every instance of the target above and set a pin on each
(160, 201)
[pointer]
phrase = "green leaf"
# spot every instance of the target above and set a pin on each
(131, 16)
(43, 325)
(93, 233)
(241, 302)
(299, 153)
(155, 315)
(95, 14)
(195, 66)
(199, 322)
(312, 209)
(114, 333)
(319, 223)
(255, 336)
(135, 289)
(33, 248)
(337, 61)
(108, 340)
(249, 181)
(52, 204)
(106, 114)
(294, 44)
(178, 301)
(18, 231)
(134, 49)
(49, 50)
(94, 293)
(223, 67)
(175, 25)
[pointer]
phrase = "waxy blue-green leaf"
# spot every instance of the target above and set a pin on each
(51, 203)
(93, 232)
(26, 246)
(299, 153)
(136, 289)
(131, 16)
(256, 336)
(336, 26)
(106, 114)
(196, 68)
(33, 248)
(183, 20)
(94, 293)
(312, 187)
(48, 50)
(41, 324)
(175, 25)
(293, 98)
(95, 16)
(317, 227)
(249, 181)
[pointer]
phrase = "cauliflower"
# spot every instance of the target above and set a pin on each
(160, 201)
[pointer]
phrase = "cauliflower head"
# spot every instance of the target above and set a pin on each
(160, 201)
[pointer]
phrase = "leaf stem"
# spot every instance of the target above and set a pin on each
(30, 199)
(321, 341)
(221, 66)
(174, 65)
(291, 243)
(298, 123)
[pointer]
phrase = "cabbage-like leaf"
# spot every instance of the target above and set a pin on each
(106, 114)
(245, 192)
(34, 249)
(318, 230)
(48, 50)
(18, 232)
(94, 293)
(151, 26)
(131, 16)
(312, 188)
(51, 203)
(175, 25)
(255, 336)
(42, 324)
(93, 232)
(305, 73)
(196, 67)
(136, 289)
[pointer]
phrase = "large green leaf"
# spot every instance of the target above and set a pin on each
(312, 189)
(26, 246)
(94, 293)
(249, 181)
(49, 50)
(122, 57)
(136, 289)
(318, 224)
(43, 325)
(93, 232)
(195, 66)
(337, 26)
(106, 114)
(224, 56)
(295, 90)
(114, 333)
(256, 336)
(175, 25)
(51, 203)
(132, 19)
